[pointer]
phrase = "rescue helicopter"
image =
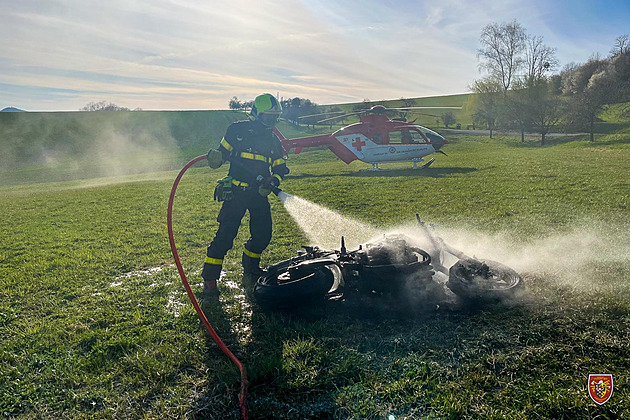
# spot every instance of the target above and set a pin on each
(376, 139)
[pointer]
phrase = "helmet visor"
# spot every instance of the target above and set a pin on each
(269, 118)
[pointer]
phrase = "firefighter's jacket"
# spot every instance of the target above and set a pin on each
(253, 150)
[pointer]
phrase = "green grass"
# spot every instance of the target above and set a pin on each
(87, 330)
(90, 328)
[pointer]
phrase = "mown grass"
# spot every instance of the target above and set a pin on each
(94, 322)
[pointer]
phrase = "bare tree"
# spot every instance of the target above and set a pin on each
(103, 106)
(622, 45)
(501, 51)
(539, 58)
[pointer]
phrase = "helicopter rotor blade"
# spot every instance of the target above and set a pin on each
(376, 109)
(342, 116)
(320, 114)
(408, 108)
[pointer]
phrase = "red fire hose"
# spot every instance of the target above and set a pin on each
(193, 299)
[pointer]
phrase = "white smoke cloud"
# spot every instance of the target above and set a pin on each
(580, 257)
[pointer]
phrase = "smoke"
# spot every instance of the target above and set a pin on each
(70, 146)
(588, 256)
(116, 152)
(112, 154)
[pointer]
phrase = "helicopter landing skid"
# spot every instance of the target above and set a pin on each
(415, 166)
(426, 165)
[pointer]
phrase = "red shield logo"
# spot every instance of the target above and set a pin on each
(600, 387)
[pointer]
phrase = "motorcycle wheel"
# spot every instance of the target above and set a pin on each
(487, 280)
(299, 284)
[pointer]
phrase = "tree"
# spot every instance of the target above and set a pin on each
(448, 118)
(620, 65)
(337, 113)
(622, 45)
(294, 109)
(531, 104)
(235, 104)
(407, 102)
(516, 108)
(247, 106)
(543, 107)
(540, 59)
(103, 106)
(366, 104)
(489, 97)
(501, 51)
(588, 87)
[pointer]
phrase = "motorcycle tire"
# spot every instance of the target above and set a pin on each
(487, 280)
(286, 286)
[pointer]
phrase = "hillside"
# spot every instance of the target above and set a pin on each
(67, 145)
(57, 146)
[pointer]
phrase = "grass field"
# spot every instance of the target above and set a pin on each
(94, 321)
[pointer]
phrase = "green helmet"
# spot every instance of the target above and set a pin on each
(267, 109)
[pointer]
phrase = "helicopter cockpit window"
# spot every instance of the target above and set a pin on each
(406, 137)
(377, 138)
(433, 136)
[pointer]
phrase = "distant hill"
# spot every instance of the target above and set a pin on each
(12, 109)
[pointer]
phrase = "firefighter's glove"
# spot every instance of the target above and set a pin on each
(215, 158)
(266, 185)
(264, 190)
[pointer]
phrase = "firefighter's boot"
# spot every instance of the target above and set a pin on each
(210, 274)
(251, 263)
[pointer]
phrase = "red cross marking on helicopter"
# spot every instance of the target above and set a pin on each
(357, 144)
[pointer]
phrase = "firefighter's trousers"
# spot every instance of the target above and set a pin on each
(229, 218)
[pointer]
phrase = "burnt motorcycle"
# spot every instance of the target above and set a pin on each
(388, 266)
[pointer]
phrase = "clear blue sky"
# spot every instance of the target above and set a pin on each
(183, 54)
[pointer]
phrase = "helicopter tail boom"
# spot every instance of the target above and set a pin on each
(331, 142)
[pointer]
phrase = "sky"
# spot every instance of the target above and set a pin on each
(58, 55)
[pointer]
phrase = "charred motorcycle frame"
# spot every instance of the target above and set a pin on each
(384, 267)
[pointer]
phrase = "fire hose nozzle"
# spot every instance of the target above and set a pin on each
(275, 190)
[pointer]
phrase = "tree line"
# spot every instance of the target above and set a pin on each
(521, 89)
(105, 106)
(302, 111)
(295, 110)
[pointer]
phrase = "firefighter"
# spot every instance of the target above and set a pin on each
(257, 166)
